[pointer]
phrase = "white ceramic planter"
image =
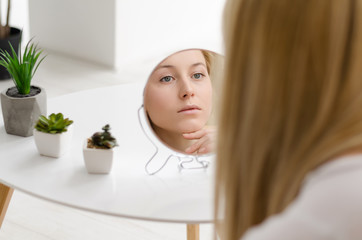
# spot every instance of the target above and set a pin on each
(97, 160)
(53, 145)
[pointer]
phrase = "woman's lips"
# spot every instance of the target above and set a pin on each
(190, 109)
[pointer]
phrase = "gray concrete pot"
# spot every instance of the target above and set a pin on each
(21, 114)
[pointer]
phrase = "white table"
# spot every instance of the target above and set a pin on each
(168, 196)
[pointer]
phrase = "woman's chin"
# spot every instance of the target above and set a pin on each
(191, 129)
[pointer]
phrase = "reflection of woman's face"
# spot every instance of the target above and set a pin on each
(178, 94)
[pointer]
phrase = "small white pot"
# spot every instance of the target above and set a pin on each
(97, 160)
(53, 145)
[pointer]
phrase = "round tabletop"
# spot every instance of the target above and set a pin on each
(128, 191)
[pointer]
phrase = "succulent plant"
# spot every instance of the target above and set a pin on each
(102, 139)
(55, 123)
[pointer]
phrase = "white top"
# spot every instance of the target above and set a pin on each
(328, 207)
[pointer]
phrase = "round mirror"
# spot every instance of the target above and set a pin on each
(180, 99)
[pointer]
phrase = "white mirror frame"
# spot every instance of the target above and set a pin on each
(163, 153)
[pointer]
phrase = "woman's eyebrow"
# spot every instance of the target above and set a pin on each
(197, 64)
(164, 66)
(172, 66)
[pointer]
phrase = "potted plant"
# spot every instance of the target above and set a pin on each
(98, 151)
(53, 135)
(8, 35)
(23, 104)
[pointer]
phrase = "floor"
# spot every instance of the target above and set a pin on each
(34, 219)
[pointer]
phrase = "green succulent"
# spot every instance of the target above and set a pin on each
(55, 123)
(103, 139)
(22, 68)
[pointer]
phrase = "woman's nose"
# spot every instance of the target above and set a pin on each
(187, 89)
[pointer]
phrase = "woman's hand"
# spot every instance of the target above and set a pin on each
(205, 140)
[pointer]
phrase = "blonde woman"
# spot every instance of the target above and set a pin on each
(178, 101)
(289, 154)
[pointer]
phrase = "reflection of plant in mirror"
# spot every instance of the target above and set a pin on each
(55, 123)
(103, 139)
(21, 69)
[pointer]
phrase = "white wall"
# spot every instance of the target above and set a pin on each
(147, 27)
(120, 33)
(81, 28)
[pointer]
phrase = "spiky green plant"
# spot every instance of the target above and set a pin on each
(55, 123)
(102, 139)
(22, 68)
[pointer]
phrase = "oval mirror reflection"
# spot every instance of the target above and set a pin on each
(180, 99)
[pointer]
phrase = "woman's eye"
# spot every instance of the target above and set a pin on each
(166, 79)
(198, 75)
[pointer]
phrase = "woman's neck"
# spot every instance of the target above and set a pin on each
(172, 139)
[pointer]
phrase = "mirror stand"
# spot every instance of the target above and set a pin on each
(156, 163)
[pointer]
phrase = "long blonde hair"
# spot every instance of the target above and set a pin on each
(292, 100)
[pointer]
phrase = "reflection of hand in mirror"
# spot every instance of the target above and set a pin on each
(178, 101)
(205, 140)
